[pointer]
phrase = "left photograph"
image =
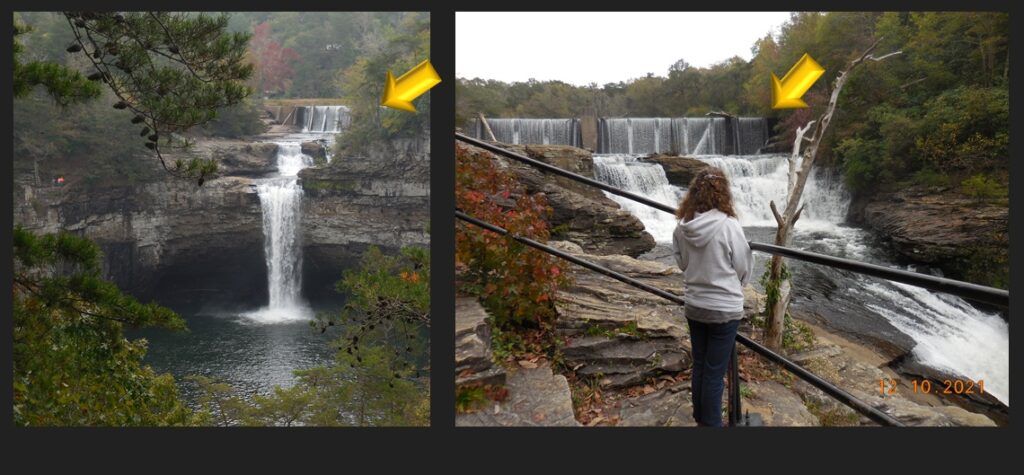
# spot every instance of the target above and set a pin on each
(217, 222)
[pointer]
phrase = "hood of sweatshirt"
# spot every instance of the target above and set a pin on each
(699, 230)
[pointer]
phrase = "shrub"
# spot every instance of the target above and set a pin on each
(515, 282)
(983, 188)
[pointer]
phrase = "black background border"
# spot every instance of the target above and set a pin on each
(869, 450)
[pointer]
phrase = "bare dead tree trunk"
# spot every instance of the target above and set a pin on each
(778, 286)
(487, 127)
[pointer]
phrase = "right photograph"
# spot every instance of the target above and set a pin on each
(707, 219)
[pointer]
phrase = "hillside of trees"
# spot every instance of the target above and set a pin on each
(936, 114)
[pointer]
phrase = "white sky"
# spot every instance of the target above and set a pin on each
(580, 48)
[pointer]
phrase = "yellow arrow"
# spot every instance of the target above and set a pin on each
(399, 93)
(786, 94)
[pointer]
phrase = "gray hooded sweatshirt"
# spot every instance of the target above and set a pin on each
(716, 261)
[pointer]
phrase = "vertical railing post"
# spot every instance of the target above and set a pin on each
(735, 405)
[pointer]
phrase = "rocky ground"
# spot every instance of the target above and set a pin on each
(625, 361)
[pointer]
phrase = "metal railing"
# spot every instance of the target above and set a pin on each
(978, 293)
(734, 403)
(963, 289)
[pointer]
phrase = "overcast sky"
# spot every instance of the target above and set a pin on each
(580, 48)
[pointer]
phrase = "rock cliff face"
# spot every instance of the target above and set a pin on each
(381, 198)
(197, 241)
(582, 214)
(967, 239)
(205, 243)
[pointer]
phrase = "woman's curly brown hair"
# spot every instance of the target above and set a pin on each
(708, 190)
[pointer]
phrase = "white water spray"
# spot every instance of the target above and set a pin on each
(281, 203)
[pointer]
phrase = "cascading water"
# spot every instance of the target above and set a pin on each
(532, 131)
(648, 179)
(682, 135)
(324, 119)
(949, 334)
(281, 203)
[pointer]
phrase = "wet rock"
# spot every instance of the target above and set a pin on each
(966, 239)
(315, 149)
(679, 170)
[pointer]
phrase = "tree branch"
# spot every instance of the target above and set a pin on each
(775, 212)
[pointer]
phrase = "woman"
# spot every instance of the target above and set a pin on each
(711, 249)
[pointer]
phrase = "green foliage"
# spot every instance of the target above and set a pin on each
(797, 336)
(929, 178)
(86, 144)
(405, 45)
(348, 393)
(771, 286)
(966, 128)
(72, 364)
(64, 85)
(630, 328)
(470, 398)
(506, 344)
(169, 72)
(236, 121)
(864, 163)
(327, 43)
(516, 283)
(983, 188)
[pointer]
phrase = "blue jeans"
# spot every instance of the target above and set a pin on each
(711, 345)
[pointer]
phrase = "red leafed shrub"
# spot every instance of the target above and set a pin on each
(515, 282)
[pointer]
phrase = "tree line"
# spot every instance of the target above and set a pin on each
(936, 115)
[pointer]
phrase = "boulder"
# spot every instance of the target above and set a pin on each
(315, 149)
(536, 397)
(966, 239)
(616, 333)
(679, 170)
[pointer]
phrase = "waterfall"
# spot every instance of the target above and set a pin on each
(281, 204)
(639, 135)
(683, 135)
(949, 334)
(324, 119)
(756, 180)
(647, 179)
(532, 131)
(635, 135)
